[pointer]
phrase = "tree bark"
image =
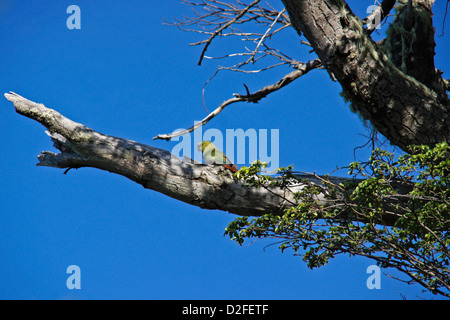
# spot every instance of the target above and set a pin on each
(403, 109)
(399, 106)
(205, 186)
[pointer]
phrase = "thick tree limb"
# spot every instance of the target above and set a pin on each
(411, 47)
(404, 110)
(205, 186)
(393, 84)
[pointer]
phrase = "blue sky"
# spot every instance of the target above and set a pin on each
(126, 74)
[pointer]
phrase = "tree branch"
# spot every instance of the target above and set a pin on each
(224, 19)
(400, 107)
(226, 25)
(254, 97)
(205, 186)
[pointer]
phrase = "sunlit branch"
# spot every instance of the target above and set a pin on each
(252, 97)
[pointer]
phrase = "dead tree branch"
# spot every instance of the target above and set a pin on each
(205, 186)
(252, 97)
(221, 19)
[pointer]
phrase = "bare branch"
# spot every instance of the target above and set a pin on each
(221, 19)
(252, 58)
(219, 30)
(205, 186)
(254, 97)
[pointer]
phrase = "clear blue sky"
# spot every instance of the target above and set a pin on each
(126, 74)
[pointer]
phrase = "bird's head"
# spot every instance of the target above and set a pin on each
(202, 145)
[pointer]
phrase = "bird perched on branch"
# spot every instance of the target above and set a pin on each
(212, 155)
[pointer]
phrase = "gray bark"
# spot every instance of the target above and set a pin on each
(205, 186)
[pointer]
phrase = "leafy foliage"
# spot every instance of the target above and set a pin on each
(398, 214)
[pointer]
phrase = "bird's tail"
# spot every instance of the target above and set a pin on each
(231, 167)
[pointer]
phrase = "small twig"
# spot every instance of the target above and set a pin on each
(445, 17)
(246, 88)
(252, 58)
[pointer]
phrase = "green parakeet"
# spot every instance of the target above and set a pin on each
(212, 155)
